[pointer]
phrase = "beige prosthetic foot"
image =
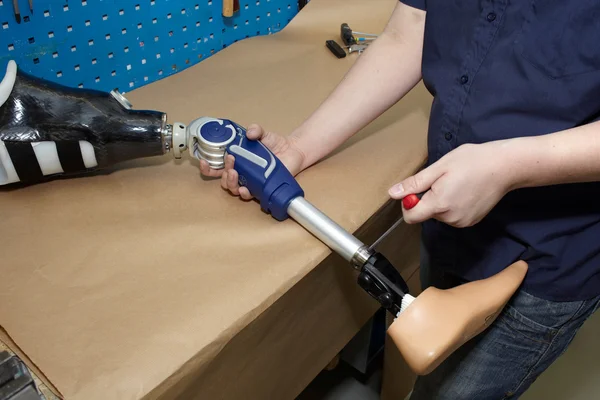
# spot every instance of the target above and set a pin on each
(438, 321)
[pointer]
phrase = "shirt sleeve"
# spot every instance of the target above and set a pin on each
(420, 4)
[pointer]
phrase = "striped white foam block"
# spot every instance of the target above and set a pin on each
(47, 158)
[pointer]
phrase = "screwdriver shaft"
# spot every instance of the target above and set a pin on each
(386, 233)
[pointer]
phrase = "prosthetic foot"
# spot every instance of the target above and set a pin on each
(438, 321)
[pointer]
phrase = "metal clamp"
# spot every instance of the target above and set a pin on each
(121, 99)
(16, 382)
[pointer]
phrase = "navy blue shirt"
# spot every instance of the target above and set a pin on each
(500, 69)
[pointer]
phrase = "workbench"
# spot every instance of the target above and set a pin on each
(149, 281)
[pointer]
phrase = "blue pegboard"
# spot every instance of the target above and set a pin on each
(124, 44)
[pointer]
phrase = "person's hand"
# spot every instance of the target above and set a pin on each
(283, 147)
(462, 187)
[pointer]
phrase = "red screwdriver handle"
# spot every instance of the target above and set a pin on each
(411, 200)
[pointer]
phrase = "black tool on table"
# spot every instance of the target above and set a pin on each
(335, 48)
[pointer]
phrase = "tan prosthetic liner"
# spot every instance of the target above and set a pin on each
(440, 321)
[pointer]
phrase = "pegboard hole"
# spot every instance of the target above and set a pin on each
(113, 73)
(184, 28)
(170, 33)
(70, 28)
(182, 11)
(141, 44)
(235, 26)
(123, 31)
(65, 7)
(46, 13)
(257, 18)
(279, 10)
(31, 40)
(1, 3)
(126, 49)
(174, 67)
(160, 72)
(172, 50)
(84, 3)
(199, 56)
(156, 38)
(59, 74)
(80, 86)
(197, 6)
(36, 60)
(198, 40)
(111, 55)
(246, 7)
(128, 67)
(90, 42)
(210, 2)
(152, 2)
(140, 25)
(246, 22)
(197, 23)
(94, 61)
(212, 36)
(143, 61)
(121, 12)
(97, 79)
(73, 49)
(5, 25)
(88, 23)
(223, 30)
(137, 7)
(212, 51)
(210, 19)
(107, 36)
(258, 3)
(185, 45)
(104, 17)
(268, 14)
(145, 79)
(77, 67)
(55, 54)
(289, 6)
(169, 16)
(157, 56)
(130, 84)
(154, 20)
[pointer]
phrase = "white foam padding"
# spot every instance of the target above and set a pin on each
(8, 174)
(88, 155)
(47, 157)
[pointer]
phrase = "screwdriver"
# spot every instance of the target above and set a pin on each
(408, 202)
(17, 11)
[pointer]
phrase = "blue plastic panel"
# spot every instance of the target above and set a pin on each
(124, 44)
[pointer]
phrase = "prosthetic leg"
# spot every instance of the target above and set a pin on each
(48, 130)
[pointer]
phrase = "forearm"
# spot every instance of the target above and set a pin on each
(569, 156)
(381, 76)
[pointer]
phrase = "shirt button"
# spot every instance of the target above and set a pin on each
(464, 79)
(491, 17)
(448, 135)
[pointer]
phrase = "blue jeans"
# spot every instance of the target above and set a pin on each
(504, 360)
